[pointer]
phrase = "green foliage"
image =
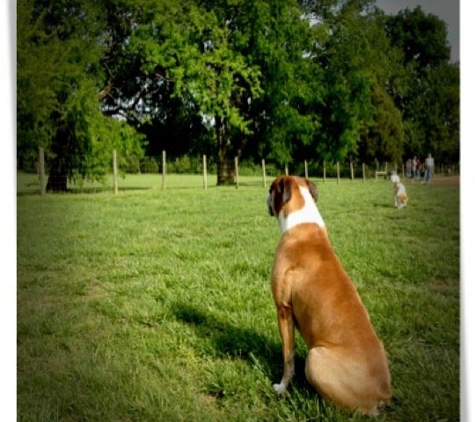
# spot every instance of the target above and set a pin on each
(280, 43)
(383, 140)
(185, 165)
(422, 37)
(96, 136)
(149, 165)
(277, 79)
(59, 79)
(430, 104)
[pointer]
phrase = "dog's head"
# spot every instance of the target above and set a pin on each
(395, 178)
(285, 194)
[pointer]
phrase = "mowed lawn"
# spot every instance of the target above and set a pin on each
(155, 305)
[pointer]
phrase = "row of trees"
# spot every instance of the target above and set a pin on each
(281, 79)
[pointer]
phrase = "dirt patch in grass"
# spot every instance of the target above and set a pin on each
(446, 181)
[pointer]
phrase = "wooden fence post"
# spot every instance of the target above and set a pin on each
(264, 182)
(338, 172)
(364, 173)
(164, 168)
(286, 170)
(236, 169)
(324, 171)
(205, 174)
(41, 163)
(115, 173)
(306, 169)
(351, 172)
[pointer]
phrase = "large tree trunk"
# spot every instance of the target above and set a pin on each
(58, 176)
(225, 161)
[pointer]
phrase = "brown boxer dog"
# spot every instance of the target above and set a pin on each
(346, 362)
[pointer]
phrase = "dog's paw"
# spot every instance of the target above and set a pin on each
(280, 388)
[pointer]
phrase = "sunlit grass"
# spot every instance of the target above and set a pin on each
(155, 305)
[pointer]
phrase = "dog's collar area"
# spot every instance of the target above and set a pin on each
(296, 218)
(308, 214)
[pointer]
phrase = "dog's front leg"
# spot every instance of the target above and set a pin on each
(286, 328)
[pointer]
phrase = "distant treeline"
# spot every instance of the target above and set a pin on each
(335, 80)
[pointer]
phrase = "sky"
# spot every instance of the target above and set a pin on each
(447, 10)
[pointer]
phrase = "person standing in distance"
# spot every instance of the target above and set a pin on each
(429, 168)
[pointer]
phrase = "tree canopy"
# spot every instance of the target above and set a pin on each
(280, 79)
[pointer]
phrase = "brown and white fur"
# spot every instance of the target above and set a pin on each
(400, 194)
(346, 362)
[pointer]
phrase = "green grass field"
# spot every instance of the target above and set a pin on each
(155, 305)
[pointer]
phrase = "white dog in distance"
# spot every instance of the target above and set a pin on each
(400, 194)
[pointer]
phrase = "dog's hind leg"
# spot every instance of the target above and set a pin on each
(323, 373)
(341, 381)
(287, 333)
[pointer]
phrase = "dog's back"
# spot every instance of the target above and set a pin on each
(346, 362)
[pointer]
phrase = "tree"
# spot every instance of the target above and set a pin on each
(259, 76)
(283, 79)
(59, 80)
(422, 37)
(240, 66)
(352, 70)
(280, 42)
(436, 110)
(382, 140)
(181, 54)
(430, 102)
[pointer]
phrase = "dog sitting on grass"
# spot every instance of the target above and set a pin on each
(400, 194)
(346, 362)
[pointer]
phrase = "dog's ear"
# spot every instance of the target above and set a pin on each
(312, 188)
(285, 189)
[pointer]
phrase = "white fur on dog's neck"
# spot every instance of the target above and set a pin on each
(308, 214)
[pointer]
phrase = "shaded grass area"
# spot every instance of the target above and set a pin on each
(28, 183)
(152, 305)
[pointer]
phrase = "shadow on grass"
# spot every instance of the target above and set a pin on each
(241, 343)
(387, 204)
(91, 190)
(107, 189)
(244, 343)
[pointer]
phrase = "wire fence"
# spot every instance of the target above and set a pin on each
(202, 174)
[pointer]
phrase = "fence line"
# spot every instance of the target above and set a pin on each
(164, 168)
(334, 169)
(205, 173)
(115, 172)
(41, 163)
(236, 170)
(264, 181)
